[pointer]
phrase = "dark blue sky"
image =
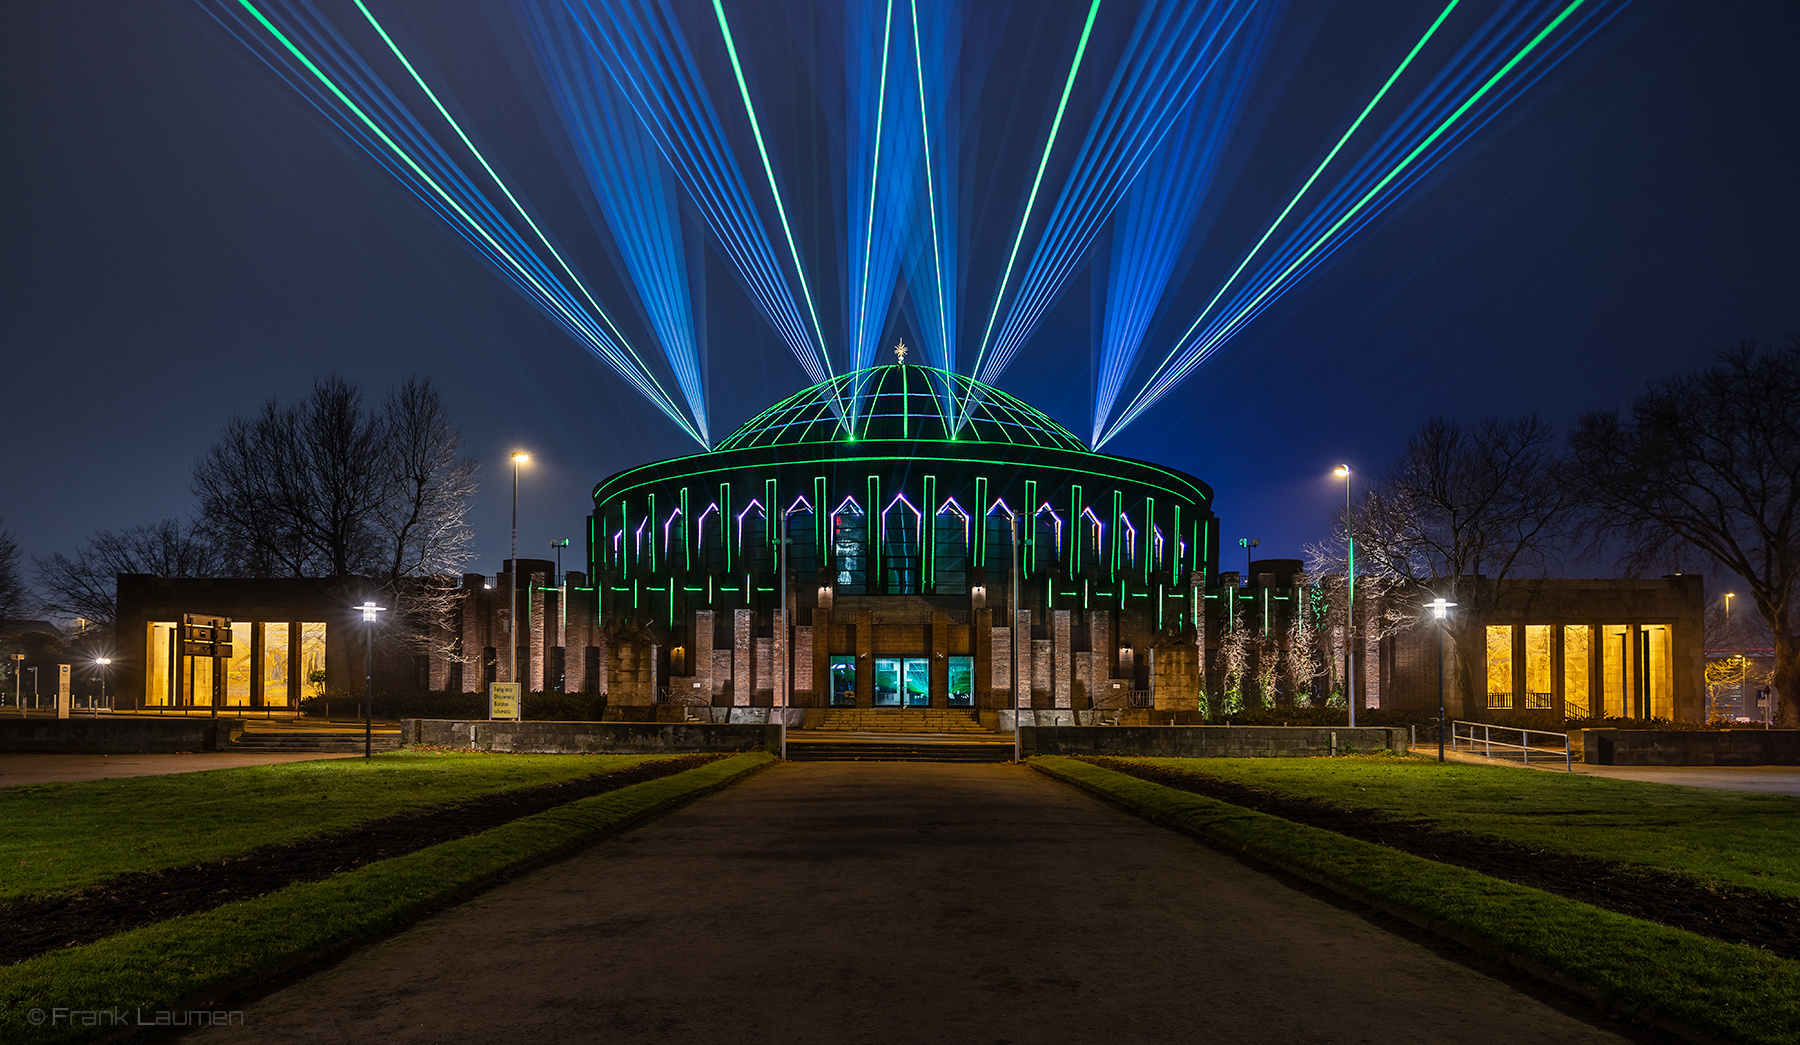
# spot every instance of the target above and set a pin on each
(185, 239)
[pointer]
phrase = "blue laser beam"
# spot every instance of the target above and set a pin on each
(634, 189)
(1514, 49)
(308, 52)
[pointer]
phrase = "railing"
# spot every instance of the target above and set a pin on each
(1487, 743)
(1138, 698)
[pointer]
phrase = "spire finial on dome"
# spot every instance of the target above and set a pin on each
(900, 352)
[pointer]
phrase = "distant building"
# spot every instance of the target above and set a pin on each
(865, 542)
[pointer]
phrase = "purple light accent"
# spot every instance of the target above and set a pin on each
(1099, 529)
(618, 543)
(855, 509)
(1045, 507)
(1156, 538)
(639, 536)
(794, 509)
(918, 516)
(951, 505)
(1000, 503)
(756, 504)
(666, 524)
(700, 524)
(1125, 521)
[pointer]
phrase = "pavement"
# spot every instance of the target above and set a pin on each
(905, 902)
(1774, 780)
(54, 769)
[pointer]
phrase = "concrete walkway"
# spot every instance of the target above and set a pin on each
(888, 903)
(54, 769)
(1774, 780)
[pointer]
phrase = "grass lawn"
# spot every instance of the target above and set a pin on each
(191, 961)
(60, 837)
(1725, 837)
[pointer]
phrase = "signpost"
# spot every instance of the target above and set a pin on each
(205, 636)
(503, 700)
(62, 691)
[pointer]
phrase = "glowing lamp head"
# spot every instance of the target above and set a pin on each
(103, 661)
(1440, 609)
(1342, 471)
(369, 610)
(520, 457)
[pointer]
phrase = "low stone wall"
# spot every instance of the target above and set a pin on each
(590, 738)
(1676, 747)
(116, 735)
(1210, 741)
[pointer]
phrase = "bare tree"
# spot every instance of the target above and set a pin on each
(1707, 466)
(87, 584)
(326, 490)
(1459, 513)
(13, 595)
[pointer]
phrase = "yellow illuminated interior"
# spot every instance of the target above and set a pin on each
(1499, 666)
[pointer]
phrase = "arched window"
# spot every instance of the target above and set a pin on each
(850, 547)
(950, 551)
(901, 526)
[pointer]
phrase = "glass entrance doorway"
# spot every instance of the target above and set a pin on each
(902, 681)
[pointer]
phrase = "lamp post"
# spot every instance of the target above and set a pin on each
(1343, 472)
(1440, 612)
(19, 682)
(105, 666)
(519, 457)
(1740, 685)
(784, 639)
(369, 610)
(1012, 521)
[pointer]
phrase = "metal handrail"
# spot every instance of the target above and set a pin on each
(1523, 747)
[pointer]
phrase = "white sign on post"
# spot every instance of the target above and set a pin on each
(503, 700)
(62, 691)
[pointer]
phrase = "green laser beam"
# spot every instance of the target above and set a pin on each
(1320, 169)
(737, 69)
(654, 392)
(1393, 173)
(1062, 104)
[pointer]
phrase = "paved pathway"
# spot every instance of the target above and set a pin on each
(887, 903)
(1776, 780)
(48, 769)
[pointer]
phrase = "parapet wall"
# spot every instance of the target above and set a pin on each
(1676, 747)
(116, 735)
(589, 738)
(1210, 741)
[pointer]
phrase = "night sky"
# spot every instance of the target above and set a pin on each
(185, 238)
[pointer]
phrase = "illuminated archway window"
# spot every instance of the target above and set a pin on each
(1130, 538)
(1096, 530)
(950, 507)
(1156, 547)
(800, 506)
(668, 527)
(755, 505)
(902, 526)
(638, 537)
(618, 545)
(1045, 509)
(849, 547)
(700, 525)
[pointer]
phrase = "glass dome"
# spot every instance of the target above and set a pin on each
(901, 401)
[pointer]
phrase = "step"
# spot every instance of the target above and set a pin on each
(876, 751)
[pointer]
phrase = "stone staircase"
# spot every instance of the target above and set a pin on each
(313, 741)
(895, 720)
(815, 749)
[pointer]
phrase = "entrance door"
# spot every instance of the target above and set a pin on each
(902, 682)
(917, 680)
(887, 682)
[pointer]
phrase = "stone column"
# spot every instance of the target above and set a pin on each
(702, 666)
(940, 659)
(865, 658)
(743, 658)
(535, 621)
(1062, 659)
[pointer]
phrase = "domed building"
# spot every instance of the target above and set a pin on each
(880, 539)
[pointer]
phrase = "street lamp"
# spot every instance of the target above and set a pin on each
(19, 682)
(1012, 523)
(105, 666)
(1343, 472)
(369, 610)
(519, 457)
(1740, 685)
(1440, 612)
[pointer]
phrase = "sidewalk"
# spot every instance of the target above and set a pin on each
(1774, 780)
(56, 769)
